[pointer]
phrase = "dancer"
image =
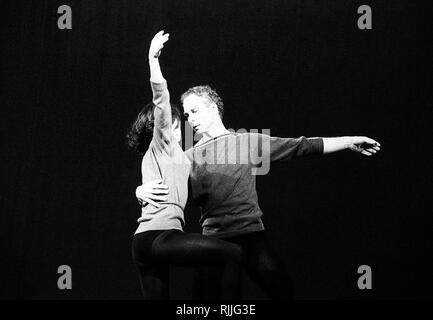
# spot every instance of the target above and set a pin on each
(159, 240)
(226, 191)
(227, 194)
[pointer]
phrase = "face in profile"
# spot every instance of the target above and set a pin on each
(200, 112)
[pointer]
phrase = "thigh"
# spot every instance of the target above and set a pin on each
(142, 246)
(189, 249)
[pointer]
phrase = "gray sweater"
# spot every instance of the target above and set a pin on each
(223, 177)
(164, 160)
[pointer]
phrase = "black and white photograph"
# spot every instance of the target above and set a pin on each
(215, 156)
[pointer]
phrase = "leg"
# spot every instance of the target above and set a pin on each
(154, 281)
(264, 267)
(205, 280)
(195, 250)
(154, 277)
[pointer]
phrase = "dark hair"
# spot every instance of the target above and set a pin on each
(208, 92)
(140, 134)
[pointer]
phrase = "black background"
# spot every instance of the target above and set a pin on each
(298, 67)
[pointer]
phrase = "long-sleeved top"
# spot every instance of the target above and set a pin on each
(223, 177)
(164, 160)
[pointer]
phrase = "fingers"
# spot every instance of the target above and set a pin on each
(160, 36)
(152, 186)
(370, 146)
(370, 141)
(150, 201)
(159, 191)
(369, 151)
(157, 184)
(156, 197)
(152, 191)
(157, 44)
(164, 37)
(364, 152)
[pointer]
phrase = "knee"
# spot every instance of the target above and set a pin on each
(235, 253)
(270, 271)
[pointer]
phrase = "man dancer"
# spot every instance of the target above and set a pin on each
(224, 184)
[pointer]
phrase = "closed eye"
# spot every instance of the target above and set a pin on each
(192, 111)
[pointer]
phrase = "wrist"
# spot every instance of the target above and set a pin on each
(347, 142)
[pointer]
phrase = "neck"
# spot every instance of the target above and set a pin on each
(216, 130)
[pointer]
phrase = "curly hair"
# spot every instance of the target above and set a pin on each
(207, 92)
(140, 133)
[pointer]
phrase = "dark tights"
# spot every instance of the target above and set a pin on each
(262, 265)
(154, 251)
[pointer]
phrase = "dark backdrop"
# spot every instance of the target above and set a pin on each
(298, 67)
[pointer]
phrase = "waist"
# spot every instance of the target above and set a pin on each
(162, 203)
(167, 216)
(230, 223)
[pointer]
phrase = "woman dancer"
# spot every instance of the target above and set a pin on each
(159, 240)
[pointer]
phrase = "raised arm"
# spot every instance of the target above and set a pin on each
(161, 96)
(364, 145)
(154, 52)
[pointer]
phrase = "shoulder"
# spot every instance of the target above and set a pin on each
(252, 137)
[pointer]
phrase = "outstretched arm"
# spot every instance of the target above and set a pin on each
(364, 145)
(280, 149)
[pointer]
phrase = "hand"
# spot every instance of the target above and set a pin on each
(364, 145)
(157, 44)
(152, 191)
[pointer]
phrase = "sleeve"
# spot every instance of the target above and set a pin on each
(280, 149)
(162, 114)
